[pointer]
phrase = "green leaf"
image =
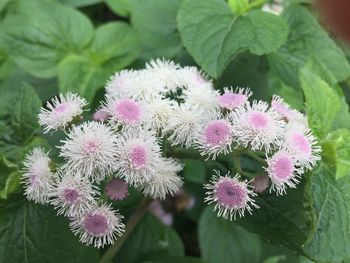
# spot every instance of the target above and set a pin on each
(342, 118)
(114, 47)
(81, 75)
(81, 3)
(214, 36)
(42, 33)
(341, 142)
(12, 184)
(275, 259)
(33, 233)
(238, 6)
(194, 171)
(120, 7)
(222, 241)
(331, 203)
(306, 40)
(150, 236)
(167, 259)
(283, 220)
(155, 21)
(322, 103)
(19, 108)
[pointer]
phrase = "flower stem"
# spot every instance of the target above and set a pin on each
(255, 157)
(131, 224)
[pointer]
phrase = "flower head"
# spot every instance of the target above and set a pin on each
(283, 171)
(230, 195)
(231, 100)
(90, 150)
(215, 138)
(138, 155)
(184, 125)
(192, 78)
(73, 195)
(166, 71)
(258, 126)
(165, 181)
(303, 145)
(126, 112)
(100, 226)
(260, 183)
(100, 115)
(116, 189)
(284, 109)
(203, 98)
(61, 111)
(117, 84)
(161, 111)
(37, 176)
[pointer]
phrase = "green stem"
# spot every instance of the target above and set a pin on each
(132, 223)
(255, 157)
(184, 153)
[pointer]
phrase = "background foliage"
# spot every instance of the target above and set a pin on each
(52, 46)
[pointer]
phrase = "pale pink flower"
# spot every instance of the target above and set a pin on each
(100, 115)
(283, 171)
(37, 176)
(72, 195)
(61, 111)
(258, 126)
(303, 145)
(215, 138)
(90, 150)
(100, 226)
(260, 183)
(231, 100)
(230, 196)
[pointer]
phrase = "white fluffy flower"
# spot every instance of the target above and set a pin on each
(284, 109)
(204, 98)
(90, 150)
(61, 111)
(258, 126)
(138, 155)
(302, 144)
(73, 195)
(100, 226)
(165, 181)
(161, 111)
(192, 78)
(37, 176)
(215, 137)
(167, 72)
(117, 84)
(184, 124)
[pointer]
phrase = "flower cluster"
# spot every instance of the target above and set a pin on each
(146, 116)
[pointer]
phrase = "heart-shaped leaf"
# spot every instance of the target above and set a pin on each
(214, 36)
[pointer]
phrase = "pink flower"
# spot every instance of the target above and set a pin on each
(230, 195)
(231, 100)
(100, 226)
(283, 171)
(100, 115)
(260, 183)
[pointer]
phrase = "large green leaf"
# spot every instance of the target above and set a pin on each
(115, 46)
(214, 36)
(33, 233)
(80, 3)
(81, 75)
(222, 241)
(41, 33)
(149, 237)
(306, 40)
(120, 7)
(340, 140)
(322, 102)
(19, 109)
(285, 220)
(155, 21)
(331, 202)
